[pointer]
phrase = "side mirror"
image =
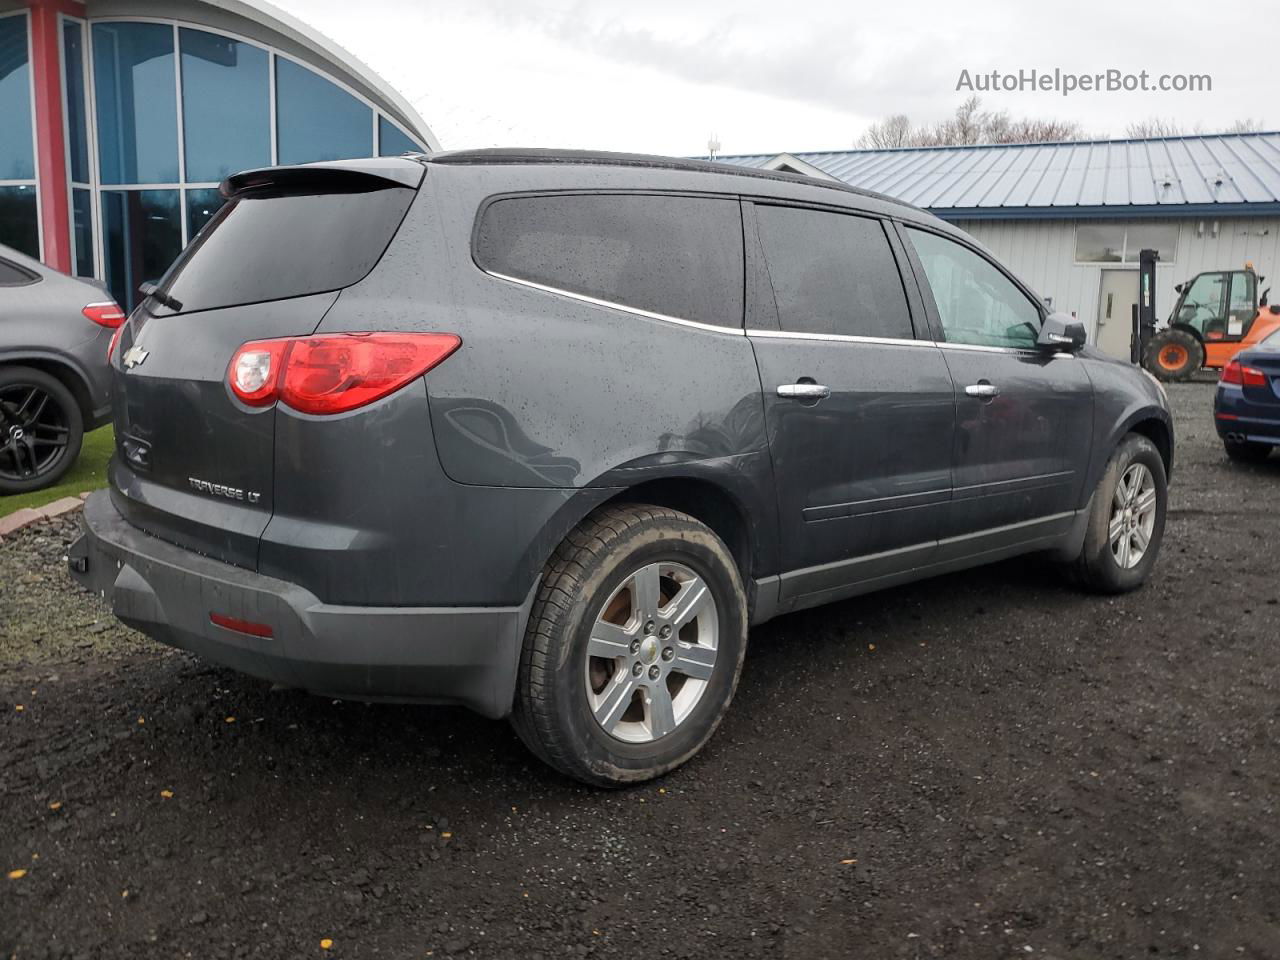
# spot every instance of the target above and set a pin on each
(1061, 331)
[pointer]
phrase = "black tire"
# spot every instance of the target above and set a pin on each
(28, 464)
(552, 714)
(1169, 345)
(1097, 567)
(1246, 451)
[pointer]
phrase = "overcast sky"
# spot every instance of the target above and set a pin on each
(660, 76)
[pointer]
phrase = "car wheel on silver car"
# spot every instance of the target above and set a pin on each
(1126, 519)
(634, 646)
(40, 429)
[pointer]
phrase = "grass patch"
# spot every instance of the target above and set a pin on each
(89, 473)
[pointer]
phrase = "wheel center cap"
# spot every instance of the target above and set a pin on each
(649, 650)
(16, 434)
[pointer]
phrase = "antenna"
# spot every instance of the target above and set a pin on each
(713, 146)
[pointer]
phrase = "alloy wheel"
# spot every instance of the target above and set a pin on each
(652, 652)
(1133, 516)
(34, 432)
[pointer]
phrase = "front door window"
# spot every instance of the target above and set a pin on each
(1203, 305)
(977, 304)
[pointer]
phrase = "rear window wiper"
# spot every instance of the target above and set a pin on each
(149, 289)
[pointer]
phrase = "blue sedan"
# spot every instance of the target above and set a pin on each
(1246, 410)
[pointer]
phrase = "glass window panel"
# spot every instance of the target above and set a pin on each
(392, 141)
(201, 206)
(1099, 243)
(137, 107)
(832, 273)
(226, 105)
(16, 157)
(18, 227)
(317, 120)
(73, 79)
(82, 231)
(1203, 306)
(12, 275)
(976, 303)
(271, 246)
(142, 234)
(1160, 237)
(678, 256)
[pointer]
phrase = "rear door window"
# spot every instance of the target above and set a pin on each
(832, 273)
(677, 256)
(274, 245)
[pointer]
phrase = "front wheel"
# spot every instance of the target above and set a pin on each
(634, 646)
(1126, 519)
(1174, 355)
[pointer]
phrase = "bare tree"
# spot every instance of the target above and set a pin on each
(968, 125)
(1247, 125)
(894, 131)
(1153, 127)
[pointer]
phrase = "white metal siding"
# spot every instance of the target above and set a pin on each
(1042, 253)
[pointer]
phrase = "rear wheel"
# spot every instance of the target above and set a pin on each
(1174, 355)
(1245, 451)
(634, 646)
(1126, 519)
(40, 430)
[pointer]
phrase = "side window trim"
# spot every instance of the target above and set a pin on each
(27, 277)
(764, 319)
(931, 305)
(491, 199)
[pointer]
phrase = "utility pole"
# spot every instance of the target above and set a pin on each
(713, 147)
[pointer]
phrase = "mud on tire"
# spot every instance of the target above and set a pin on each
(620, 577)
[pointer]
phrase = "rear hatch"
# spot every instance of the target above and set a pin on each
(194, 465)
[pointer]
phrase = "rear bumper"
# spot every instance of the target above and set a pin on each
(460, 655)
(1238, 419)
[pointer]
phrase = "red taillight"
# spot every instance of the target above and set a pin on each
(334, 373)
(240, 626)
(105, 314)
(111, 347)
(1240, 375)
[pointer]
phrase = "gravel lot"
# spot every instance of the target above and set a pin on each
(985, 765)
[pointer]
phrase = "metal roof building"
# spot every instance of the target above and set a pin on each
(1069, 218)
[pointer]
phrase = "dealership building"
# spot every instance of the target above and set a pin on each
(1070, 218)
(119, 118)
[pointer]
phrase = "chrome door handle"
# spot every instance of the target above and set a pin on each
(803, 391)
(984, 390)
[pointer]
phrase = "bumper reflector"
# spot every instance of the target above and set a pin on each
(240, 626)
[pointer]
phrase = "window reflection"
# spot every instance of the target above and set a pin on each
(16, 158)
(73, 80)
(18, 220)
(201, 206)
(141, 236)
(317, 120)
(134, 81)
(392, 141)
(226, 113)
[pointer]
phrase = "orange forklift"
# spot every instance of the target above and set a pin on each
(1217, 315)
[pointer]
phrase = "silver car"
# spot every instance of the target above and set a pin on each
(55, 332)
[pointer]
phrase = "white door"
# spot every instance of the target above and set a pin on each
(1118, 297)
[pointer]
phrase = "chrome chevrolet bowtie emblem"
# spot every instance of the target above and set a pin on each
(134, 357)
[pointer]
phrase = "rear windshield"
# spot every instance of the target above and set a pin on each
(272, 245)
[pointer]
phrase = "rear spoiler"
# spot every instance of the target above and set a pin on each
(339, 176)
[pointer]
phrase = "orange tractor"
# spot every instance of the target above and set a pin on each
(1217, 315)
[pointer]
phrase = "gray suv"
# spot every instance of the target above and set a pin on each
(544, 434)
